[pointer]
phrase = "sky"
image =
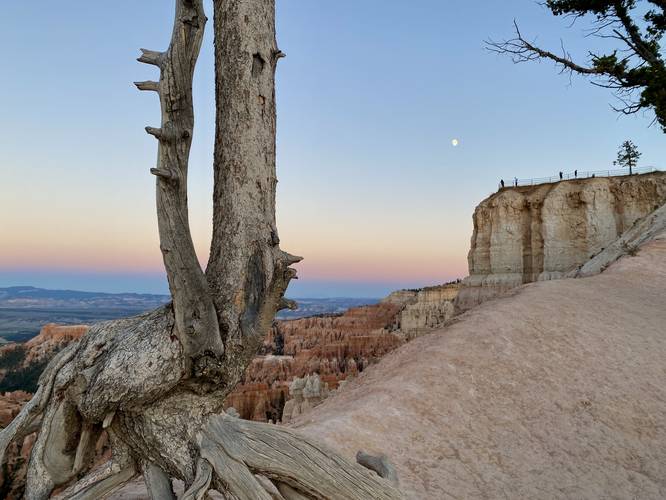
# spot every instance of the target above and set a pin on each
(370, 96)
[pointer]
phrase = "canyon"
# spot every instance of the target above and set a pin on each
(537, 233)
(302, 362)
(335, 347)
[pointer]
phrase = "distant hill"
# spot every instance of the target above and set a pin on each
(30, 297)
(25, 309)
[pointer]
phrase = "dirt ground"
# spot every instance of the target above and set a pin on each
(556, 391)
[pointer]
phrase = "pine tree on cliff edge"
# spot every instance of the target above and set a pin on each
(627, 156)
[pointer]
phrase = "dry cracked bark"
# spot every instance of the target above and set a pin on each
(156, 382)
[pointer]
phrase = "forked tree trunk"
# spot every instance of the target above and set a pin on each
(247, 272)
(156, 382)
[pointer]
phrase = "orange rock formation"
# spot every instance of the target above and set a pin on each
(334, 347)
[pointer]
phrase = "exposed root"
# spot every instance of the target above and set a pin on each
(202, 480)
(238, 449)
(100, 483)
(289, 493)
(158, 483)
(269, 486)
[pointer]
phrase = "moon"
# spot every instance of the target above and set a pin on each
(455, 142)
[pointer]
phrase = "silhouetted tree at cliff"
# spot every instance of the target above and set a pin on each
(635, 69)
(627, 156)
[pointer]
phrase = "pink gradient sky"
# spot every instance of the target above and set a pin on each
(372, 193)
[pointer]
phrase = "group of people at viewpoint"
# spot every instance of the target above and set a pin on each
(515, 179)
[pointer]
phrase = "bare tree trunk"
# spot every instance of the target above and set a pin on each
(247, 271)
(156, 382)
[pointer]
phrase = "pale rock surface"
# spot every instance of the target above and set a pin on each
(431, 308)
(305, 393)
(555, 391)
(543, 232)
(648, 228)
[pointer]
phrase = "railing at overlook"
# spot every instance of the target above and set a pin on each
(576, 175)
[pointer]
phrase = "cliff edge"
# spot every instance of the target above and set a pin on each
(543, 232)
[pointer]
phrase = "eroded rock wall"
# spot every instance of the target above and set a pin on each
(431, 308)
(333, 347)
(543, 232)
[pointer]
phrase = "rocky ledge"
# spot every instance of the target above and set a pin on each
(537, 233)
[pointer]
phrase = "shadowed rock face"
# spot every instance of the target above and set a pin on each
(11, 404)
(537, 233)
(13, 471)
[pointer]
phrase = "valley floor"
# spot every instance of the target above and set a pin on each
(557, 391)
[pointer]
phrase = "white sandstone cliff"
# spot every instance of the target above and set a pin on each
(537, 233)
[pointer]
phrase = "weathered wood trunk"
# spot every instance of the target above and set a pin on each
(196, 319)
(247, 271)
(156, 382)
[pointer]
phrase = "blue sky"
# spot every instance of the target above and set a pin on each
(371, 94)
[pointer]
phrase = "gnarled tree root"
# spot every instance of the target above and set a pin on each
(24, 422)
(100, 483)
(239, 449)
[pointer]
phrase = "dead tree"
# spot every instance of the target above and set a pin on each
(156, 382)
